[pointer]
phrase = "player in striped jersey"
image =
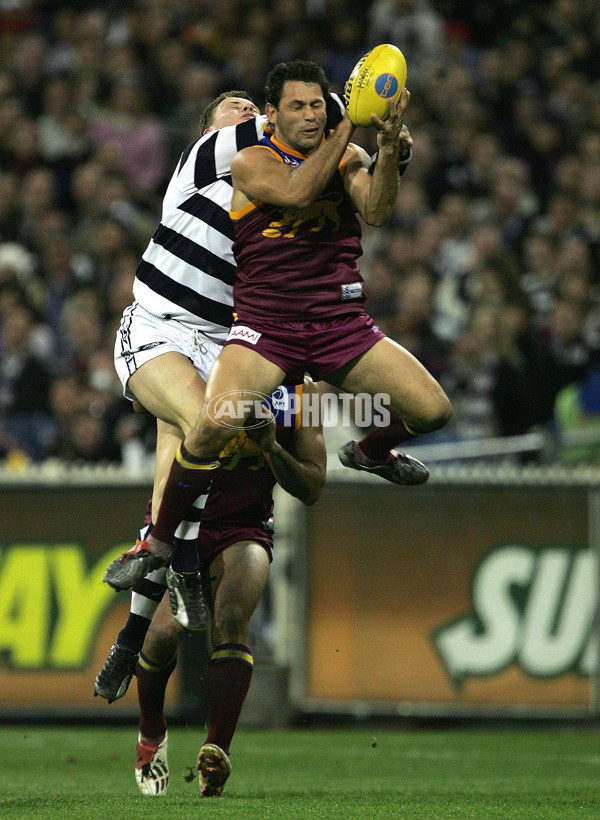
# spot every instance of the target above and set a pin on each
(171, 335)
(187, 271)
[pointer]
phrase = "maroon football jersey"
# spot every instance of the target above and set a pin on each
(241, 492)
(298, 264)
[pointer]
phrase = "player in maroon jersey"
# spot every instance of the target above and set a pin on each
(299, 295)
(235, 547)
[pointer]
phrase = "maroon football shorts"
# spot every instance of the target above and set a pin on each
(319, 347)
(213, 540)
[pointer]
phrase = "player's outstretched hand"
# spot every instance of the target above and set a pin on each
(390, 130)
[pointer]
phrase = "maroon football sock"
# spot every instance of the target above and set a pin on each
(189, 477)
(376, 445)
(152, 683)
(227, 683)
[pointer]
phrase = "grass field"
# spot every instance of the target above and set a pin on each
(361, 774)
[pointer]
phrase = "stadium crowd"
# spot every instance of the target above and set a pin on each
(489, 271)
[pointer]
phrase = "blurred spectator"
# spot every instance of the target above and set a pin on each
(61, 130)
(412, 23)
(411, 323)
(9, 205)
(61, 270)
(28, 64)
(470, 378)
(120, 292)
(539, 279)
(110, 240)
(82, 326)
(135, 135)
(38, 193)
(195, 87)
(115, 201)
(16, 263)
(85, 439)
(24, 382)
(513, 201)
(453, 262)
(487, 379)
(381, 280)
(558, 354)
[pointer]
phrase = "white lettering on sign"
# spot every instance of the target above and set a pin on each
(533, 608)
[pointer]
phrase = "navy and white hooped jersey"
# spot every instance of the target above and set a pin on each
(188, 270)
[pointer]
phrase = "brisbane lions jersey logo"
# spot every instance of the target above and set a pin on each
(324, 212)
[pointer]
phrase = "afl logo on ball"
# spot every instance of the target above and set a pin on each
(386, 85)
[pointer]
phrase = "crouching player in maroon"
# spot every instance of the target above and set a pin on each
(235, 543)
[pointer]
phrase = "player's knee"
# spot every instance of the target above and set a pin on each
(161, 644)
(436, 413)
(442, 411)
(208, 437)
(231, 623)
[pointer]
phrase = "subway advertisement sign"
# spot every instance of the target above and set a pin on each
(58, 619)
(433, 600)
(459, 599)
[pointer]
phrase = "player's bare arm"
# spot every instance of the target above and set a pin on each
(374, 194)
(299, 470)
(258, 175)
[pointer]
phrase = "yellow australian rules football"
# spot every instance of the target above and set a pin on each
(377, 77)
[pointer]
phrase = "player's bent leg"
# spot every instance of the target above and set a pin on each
(168, 439)
(388, 368)
(238, 576)
(187, 601)
(238, 378)
(170, 388)
(163, 636)
(120, 573)
(417, 405)
(115, 676)
(241, 374)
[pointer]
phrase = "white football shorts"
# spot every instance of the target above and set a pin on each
(143, 336)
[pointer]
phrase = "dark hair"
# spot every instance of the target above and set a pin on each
(208, 113)
(304, 71)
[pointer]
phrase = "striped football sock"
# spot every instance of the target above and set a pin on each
(152, 683)
(227, 683)
(188, 479)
